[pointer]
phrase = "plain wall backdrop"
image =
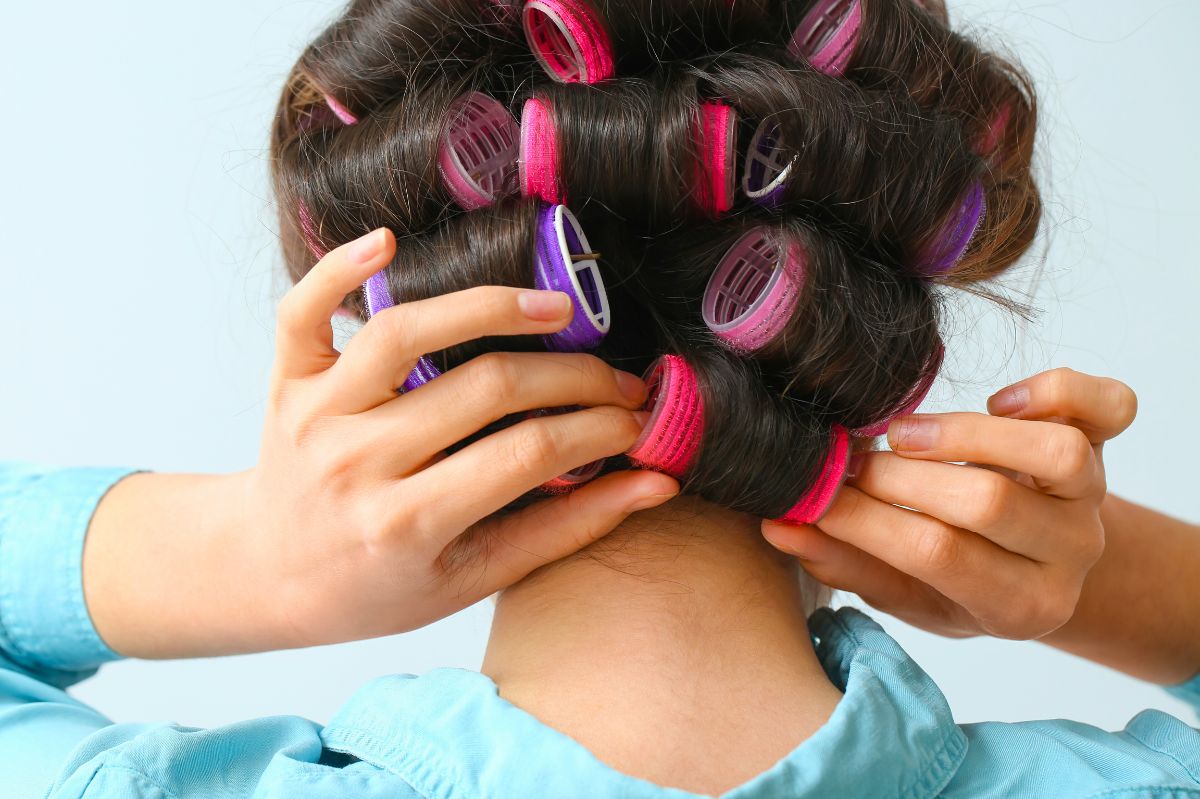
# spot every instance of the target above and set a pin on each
(140, 270)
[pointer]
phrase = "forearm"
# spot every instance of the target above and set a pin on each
(168, 569)
(1140, 608)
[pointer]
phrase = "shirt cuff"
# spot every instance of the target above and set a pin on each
(44, 621)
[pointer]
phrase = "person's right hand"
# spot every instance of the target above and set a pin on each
(1001, 546)
(355, 523)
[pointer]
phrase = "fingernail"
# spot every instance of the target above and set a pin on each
(855, 466)
(544, 306)
(366, 248)
(643, 418)
(914, 433)
(1009, 400)
(631, 386)
(651, 501)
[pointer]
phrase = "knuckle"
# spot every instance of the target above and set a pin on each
(1125, 403)
(535, 447)
(936, 549)
(288, 313)
(1069, 452)
(991, 502)
(495, 375)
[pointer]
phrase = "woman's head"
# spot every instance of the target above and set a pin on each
(776, 195)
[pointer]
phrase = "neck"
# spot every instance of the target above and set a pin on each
(683, 619)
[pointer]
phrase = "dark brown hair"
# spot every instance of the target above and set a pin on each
(882, 157)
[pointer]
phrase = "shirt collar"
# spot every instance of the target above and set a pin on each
(450, 735)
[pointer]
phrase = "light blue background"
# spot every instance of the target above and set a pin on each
(140, 269)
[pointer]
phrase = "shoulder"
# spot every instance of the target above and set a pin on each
(1156, 755)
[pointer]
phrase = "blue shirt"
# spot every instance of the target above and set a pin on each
(449, 734)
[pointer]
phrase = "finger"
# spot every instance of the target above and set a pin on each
(381, 355)
(986, 579)
(506, 549)
(488, 474)
(1020, 519)
(304, 337)
(847, 568)
(489, 388)
(1099, 406)
(1060, 458)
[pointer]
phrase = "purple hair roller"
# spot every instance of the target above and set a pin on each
(767, 166)
(564, 262)
(379, 297)
(952, 240)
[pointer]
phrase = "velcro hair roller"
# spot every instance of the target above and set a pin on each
(947, 247)
(566, 263)
(813, 505)
(569, 40)
(827, 35)
(478, 153)
(915, 397)
(753, 291)
(717, 145)
(767, 165)
(997, 128)
(378, 297)
(539, 153)
(566, 483)
(671, 438)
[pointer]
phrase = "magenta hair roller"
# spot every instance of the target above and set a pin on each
(716, 140)
(566, 483)
(565, 262)
(914, 399)
(827, 35)
(813, 505)
(953, 239)
(767, 165)
(671, 438)
(753, 292)
(478, 153)
(538, 158)
(569, 40)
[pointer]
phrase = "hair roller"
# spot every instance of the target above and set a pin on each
(478, 153)
(950, 241)
(813, 504)
(589, 41)
(647, 152)
(671, 438)
(753, 291)
(827, 35)
(913, 400)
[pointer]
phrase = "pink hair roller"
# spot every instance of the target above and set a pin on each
(767, 166)
(671, 438)
(827, 35)
(915, 397)
(753, 292)
(813, 505)
(996, 131)
(539, 153)
(569, 40)
(716, 142)
(340, 111)
(478, 153)
(566, 483)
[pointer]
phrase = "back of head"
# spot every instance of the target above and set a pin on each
(768, 200)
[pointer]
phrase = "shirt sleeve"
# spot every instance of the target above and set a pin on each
(1188, 692)
(47, 639)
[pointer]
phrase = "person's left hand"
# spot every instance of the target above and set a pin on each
(1000, 549)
